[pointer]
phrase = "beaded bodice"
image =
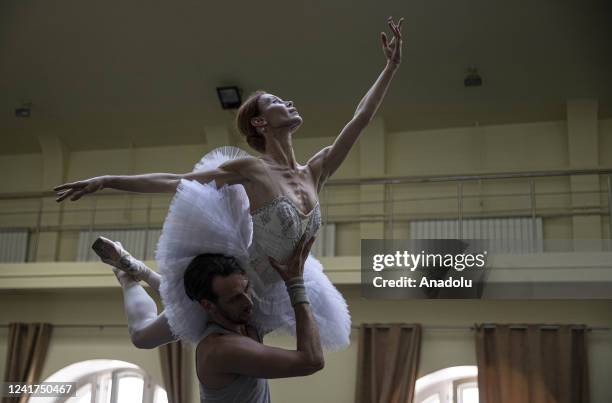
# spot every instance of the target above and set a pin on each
(278, 226)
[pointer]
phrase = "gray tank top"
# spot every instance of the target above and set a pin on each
(243, 389)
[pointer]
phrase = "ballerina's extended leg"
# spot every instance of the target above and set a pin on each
(147, 329)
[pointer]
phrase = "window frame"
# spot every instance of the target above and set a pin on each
(97, 378)
(446, 383)
(458, 383)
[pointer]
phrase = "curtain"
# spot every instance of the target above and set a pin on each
(532, 363)
(173, 371)
(27, 349)
(387, 363)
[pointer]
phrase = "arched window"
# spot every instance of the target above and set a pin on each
(448, 385)
(108, 381)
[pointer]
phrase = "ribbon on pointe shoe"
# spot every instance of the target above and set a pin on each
(113, 254)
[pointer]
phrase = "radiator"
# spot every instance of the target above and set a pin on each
(504, 235)
(325, 243)
(133, 240)
(13, 245)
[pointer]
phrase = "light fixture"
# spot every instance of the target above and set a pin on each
(472, 79)
(229, 97)
(24, 111)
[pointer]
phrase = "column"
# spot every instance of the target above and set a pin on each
(54, 156)
(372, 164)
(583, 149)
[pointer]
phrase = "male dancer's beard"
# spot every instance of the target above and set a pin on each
(229, 317)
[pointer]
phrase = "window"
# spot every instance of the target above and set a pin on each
(139, 242)
(108, 381)
(435, 398)
(448, 385)
(467, 391)
(83, 394)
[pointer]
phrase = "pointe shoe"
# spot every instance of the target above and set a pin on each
(112, 253)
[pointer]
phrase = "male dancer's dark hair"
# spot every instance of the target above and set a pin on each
(198, 277)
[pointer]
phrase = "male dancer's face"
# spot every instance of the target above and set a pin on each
(234, 300)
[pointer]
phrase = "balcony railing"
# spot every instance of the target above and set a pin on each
(388, 205)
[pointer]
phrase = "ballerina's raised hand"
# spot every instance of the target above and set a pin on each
(393, 48)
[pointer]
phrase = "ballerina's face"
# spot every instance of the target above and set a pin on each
(278, 113)
(234, 301)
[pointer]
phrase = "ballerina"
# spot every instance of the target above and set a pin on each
(268, 203)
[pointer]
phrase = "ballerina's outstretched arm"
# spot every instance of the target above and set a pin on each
(326, 162)
(230, 173)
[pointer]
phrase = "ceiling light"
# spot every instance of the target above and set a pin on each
(24, 110)
(472, 79)
(229, 97)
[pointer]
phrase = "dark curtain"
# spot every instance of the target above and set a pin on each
(387, 363)
(27, 349)
(532, 364)
(173, 371)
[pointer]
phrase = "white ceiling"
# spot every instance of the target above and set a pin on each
(115, 73)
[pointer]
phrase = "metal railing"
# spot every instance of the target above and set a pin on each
(390, 208)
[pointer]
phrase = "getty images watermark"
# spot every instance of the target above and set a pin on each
(428, 268)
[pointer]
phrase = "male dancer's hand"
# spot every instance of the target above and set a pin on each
(294, 266)
(248, 357)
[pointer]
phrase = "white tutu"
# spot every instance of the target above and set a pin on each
(327, 305)
(204, 219)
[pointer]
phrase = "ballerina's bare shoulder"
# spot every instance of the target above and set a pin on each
(264, 182)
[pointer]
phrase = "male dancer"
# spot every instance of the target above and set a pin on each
(232, 364)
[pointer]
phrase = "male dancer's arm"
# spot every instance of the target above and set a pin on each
(242, 355)
(308, 342)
